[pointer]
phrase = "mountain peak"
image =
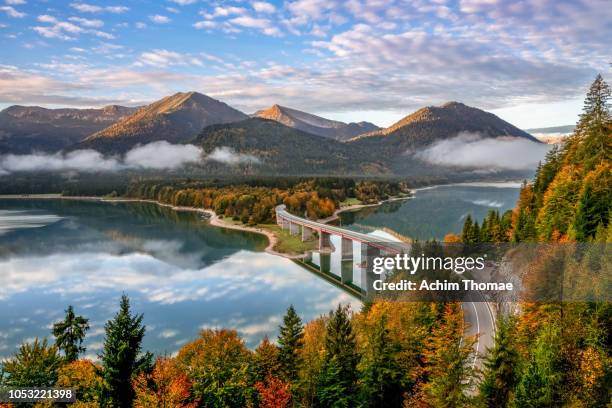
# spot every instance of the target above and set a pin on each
(314, 124)
(175, 118)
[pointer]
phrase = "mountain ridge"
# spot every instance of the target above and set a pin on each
(314, 124)
(175, 118)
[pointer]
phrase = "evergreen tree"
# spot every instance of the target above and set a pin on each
(121, 358)
(500, 366)
(338, 380)
(383, 383)
(70, 333)
(540, 384)
(466, 234)
(290, 341)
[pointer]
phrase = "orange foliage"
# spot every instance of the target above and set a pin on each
(167, 386)
(274, 393)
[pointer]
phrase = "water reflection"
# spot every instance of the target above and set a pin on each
(180, 272)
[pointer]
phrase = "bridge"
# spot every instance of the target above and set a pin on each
(478, 316)
(370, 246)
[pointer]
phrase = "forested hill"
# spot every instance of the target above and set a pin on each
(557, 352)
(434, 123)
(274, 148)
(571, 195)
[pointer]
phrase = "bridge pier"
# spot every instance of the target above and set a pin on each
(368, 252)
(324, 240)
(294, 229)
(347, 249)
(306, 233)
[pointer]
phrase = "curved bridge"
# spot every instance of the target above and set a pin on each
(478, 316)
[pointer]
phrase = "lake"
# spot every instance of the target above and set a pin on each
(180, 272)
(435, 211)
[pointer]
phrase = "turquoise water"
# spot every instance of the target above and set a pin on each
(180, 272)
(433, 212)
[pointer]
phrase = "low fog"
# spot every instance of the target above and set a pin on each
(474, 151)
(156, 155)
(228, 155)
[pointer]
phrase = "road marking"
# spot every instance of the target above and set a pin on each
(477, 333)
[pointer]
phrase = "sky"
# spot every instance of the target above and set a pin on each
(529, 61)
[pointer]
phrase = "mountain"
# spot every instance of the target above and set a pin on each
(434, 123)
(315, 124)
(176, 119)
(265, 146)
(24, 129)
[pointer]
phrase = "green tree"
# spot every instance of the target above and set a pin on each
(383, 384)
(290, 341)
(121, 356)
(540, 385)
(70, 333)
(448, 357)
(338, 380)
(36, 364)
(500, 366)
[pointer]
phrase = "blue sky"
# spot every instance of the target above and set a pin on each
(529, 61)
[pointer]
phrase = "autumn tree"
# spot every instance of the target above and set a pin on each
(82, 376)
(70, 333)
(121, 356)
(220, 368)
(166, 386)
(273, 393)
(448, 357)
(267, 360)
(35, 365)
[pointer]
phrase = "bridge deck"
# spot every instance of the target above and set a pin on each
(378, 242)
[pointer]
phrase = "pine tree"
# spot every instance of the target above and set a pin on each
(466, 234)
(121, 358)
(592, 144)
(290, 341)
(70, 333)
(501, 365)
(540, 384)
(338, 380)
(383, 384)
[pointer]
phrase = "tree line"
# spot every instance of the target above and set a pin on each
(254, 204)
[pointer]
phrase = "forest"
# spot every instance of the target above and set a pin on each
(388, 354)
(254, 203)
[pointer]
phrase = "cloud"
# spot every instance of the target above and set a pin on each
(162, 155)
(11, 12)
(263, 7)
(156, 155)
(15, 2)
(85, 22)
(165, 58)
(263, 24)
(159, 19)
(184, 2)
(473, 151)
(229, 156)
(91, 8)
